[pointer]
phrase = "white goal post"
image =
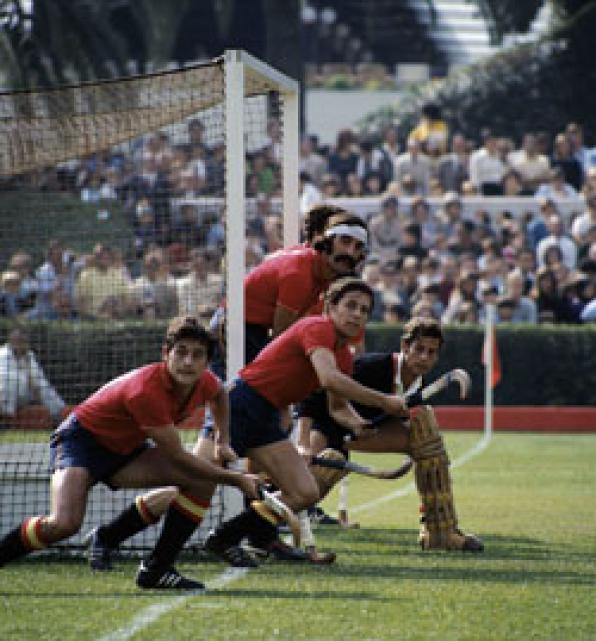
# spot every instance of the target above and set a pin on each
(242, 73)
(139, 129)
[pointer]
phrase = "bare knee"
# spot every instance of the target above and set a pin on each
(199, 489)
(62, 526)
(158, 501)
(304, 494)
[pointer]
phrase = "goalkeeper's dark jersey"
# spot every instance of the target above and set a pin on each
(374, 370)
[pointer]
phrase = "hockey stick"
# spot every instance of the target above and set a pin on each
(365, 470)
(284, 512)
(459, 376)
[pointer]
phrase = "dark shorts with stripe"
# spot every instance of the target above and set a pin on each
(254, 421)
(71, 445)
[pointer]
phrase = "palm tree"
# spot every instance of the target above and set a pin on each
(49, 42)
(45, 43)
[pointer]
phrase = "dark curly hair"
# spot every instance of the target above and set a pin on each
(189, 328)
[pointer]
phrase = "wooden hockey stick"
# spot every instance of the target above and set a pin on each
(365, 470)
(459, 376)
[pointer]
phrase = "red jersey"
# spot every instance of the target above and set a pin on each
(283, 373)
(291, 278)
(119, 413)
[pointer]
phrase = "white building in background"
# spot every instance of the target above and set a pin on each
(462, 33)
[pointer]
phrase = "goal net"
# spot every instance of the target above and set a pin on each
(122, 204)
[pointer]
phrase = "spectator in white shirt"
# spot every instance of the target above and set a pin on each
(415, 165)
(385, 229)
(310, 194)
(557, 238)
(486, 167)
(581, 225)
(532, 166)
(310, 161)
(524, 310)
(556, 188)
(201, 290)
(27, 399)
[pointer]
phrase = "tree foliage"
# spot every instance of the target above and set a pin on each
(64, 41)
(508, 16)
(60, 41)
(539, 86)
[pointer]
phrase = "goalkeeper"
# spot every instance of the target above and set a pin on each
(401, 373)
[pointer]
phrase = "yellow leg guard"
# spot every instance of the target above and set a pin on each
(438, 520)
(327, 477)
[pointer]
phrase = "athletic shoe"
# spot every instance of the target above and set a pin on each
(165, 579)
(99, 555)
(235, 555)
(283, 552)
(472, 543)
(320, 558)
(318, 516)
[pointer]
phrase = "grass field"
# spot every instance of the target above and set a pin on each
(531, 497)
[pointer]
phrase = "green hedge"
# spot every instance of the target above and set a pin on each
(541, 365)
(80, 357)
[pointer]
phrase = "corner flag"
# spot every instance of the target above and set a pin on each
(496, 360)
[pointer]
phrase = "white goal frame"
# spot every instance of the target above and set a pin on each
(242, 71)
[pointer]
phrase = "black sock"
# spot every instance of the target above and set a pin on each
(249, 523)
(176, 531)
(12, 547)
(126, 524)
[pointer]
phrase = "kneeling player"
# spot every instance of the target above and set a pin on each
(418, 436)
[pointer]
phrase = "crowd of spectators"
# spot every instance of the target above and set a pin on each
(422, 261)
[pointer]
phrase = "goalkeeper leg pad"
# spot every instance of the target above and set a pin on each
(327, 477)
(439, 529)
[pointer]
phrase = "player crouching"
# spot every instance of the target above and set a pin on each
(417, 435)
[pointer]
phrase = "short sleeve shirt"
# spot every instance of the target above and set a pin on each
(283, 372)
(287, 278)
(121, 411)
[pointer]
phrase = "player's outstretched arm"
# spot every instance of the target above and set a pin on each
(168, 439)
(333, 380)
(344, 413)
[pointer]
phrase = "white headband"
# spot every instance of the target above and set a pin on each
(354, 231)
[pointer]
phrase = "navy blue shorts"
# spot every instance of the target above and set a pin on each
(71, 445)
(334, 434)
(256, 337)
(254, 422)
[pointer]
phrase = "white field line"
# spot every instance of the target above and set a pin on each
(153, 612)
(479, 447)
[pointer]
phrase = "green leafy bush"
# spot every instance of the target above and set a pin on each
(541, 365)
(528, 88)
